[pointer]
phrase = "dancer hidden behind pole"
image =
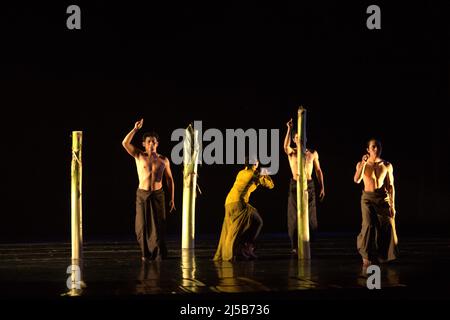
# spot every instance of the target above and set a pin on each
(312, 164)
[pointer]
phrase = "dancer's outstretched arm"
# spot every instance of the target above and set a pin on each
(126, 143)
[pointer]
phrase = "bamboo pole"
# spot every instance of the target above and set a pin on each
(302, 190)
(191, 153)
(76, 213)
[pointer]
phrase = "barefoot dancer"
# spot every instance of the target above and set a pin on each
(150, 201)
(312, 163)
(377, 241)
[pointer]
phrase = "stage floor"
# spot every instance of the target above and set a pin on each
(113, 270)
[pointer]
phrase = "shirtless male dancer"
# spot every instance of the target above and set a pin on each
(312, 163)
(377, 241)
(150, 201)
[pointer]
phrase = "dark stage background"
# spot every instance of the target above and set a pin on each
(232, 66)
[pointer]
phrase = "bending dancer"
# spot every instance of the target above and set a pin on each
(377, 241)
(150, 201)
(242, 223)
(312, 162)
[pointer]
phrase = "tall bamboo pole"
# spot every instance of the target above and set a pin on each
(191, 153)
(76, 212)
(302, 190)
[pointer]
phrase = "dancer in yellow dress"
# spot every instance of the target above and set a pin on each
(242, 223)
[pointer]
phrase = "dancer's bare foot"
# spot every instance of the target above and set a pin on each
(247, 251)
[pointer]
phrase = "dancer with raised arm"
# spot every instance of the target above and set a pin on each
(150, 201)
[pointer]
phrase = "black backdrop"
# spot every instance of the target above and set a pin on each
(231, 66)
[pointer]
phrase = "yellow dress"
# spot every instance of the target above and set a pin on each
(238, 212)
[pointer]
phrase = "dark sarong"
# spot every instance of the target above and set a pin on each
(376, 242)
(292, 211)
(151, 223)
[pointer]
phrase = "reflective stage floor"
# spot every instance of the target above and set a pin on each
(113, 271)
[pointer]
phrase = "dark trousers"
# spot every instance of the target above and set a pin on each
(376, 241)
(151, 223)
(292, 211)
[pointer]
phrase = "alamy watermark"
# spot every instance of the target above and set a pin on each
(231, 147)
(74, 280)
(374, 280)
